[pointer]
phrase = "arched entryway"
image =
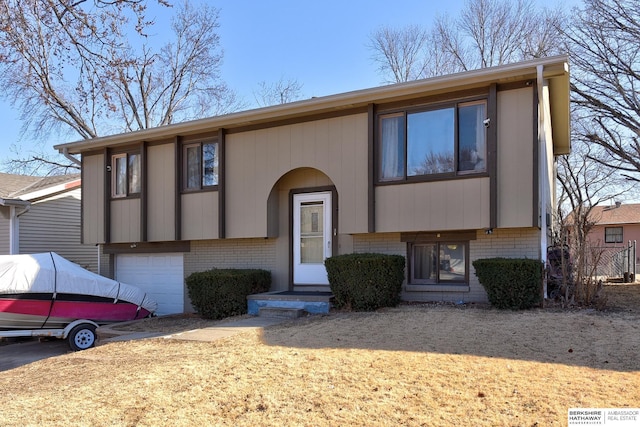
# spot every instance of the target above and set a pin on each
(303, 215)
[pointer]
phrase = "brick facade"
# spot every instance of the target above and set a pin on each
(507, 243)
(232, 253)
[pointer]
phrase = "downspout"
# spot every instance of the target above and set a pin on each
(543, 174)
(14, 227)
(65, 152)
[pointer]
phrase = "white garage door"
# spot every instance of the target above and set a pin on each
(160, 275)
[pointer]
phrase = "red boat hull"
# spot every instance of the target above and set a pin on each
(26, 311)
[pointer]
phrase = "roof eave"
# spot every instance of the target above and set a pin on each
(555, 68)
(13, 202)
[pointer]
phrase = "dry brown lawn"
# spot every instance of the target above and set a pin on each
(426, 365)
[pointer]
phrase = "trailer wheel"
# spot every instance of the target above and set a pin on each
(82, 337)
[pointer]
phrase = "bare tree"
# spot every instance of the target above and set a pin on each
(280, 92)
(400, 53)
(604, 39)
(90, 67)
(485, 34)
(584, 184)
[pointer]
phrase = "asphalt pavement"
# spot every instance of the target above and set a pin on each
(25, 351)
(30, 350)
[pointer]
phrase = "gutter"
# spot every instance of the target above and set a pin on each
(552, 67)
(65, 152)
(14, 224)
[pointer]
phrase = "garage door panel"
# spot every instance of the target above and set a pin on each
(161, 277)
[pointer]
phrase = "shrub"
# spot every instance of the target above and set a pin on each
(365, 282)
(220, 293)
(513, 283)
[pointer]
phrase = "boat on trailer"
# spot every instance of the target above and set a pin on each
(47, 295)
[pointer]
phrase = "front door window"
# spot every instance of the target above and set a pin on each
(312, 238)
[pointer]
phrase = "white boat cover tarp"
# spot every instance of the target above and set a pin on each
(49, 272)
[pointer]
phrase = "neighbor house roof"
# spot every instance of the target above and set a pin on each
(554, 69)
(25, 187)
(616, 214)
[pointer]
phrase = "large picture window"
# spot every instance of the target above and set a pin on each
(438, 262)
(421, 144)
(125, 174)
(200, 165)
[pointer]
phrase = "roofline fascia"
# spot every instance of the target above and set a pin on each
(555, 66)
(54, 189)
(14, 202)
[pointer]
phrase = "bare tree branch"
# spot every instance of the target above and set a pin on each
(88, 67)
(280, 92)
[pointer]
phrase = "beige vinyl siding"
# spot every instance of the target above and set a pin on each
(53, 225)
(93, 206)
(200, 215)
(459, 204)
(256, 160)
(5, 233)
(125, 220)
(161, 199)
(515, 158)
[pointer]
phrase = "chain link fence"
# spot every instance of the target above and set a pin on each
(611, 264)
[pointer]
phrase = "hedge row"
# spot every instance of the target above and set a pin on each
(365, 282)
(513, 283)
(220, 293)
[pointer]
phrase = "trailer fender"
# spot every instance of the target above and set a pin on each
(75, 323)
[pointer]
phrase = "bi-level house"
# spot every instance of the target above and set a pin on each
(444, 171)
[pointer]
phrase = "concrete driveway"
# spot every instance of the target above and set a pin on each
(24, 352)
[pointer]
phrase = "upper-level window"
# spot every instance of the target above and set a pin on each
(424, 143)
(125, 174)
(613, 235)
(200, 165)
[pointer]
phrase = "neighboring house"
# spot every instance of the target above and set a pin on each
(616, 226)
(442, 171)
(43, 215)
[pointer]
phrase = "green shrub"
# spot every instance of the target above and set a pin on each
(513, 283)
(220, 293)
(365, 282)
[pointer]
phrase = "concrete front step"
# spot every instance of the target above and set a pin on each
(280, 312)
(311, 302)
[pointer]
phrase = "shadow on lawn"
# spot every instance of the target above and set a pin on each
(602, 340)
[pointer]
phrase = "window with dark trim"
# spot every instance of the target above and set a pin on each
(438, 263)
(200, 166)
(421, 144)
(613, 234)
(125, 175)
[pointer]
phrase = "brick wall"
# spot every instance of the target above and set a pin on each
(232, 253)
(507, 243)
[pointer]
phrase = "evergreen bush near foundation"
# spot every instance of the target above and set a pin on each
(220, 293)
(365, 282)
(511, 283)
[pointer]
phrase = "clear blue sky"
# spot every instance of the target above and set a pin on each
(321, 44)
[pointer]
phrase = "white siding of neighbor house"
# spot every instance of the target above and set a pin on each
(53, 225)
(5, 227)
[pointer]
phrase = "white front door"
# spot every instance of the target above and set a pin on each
(312, 234)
